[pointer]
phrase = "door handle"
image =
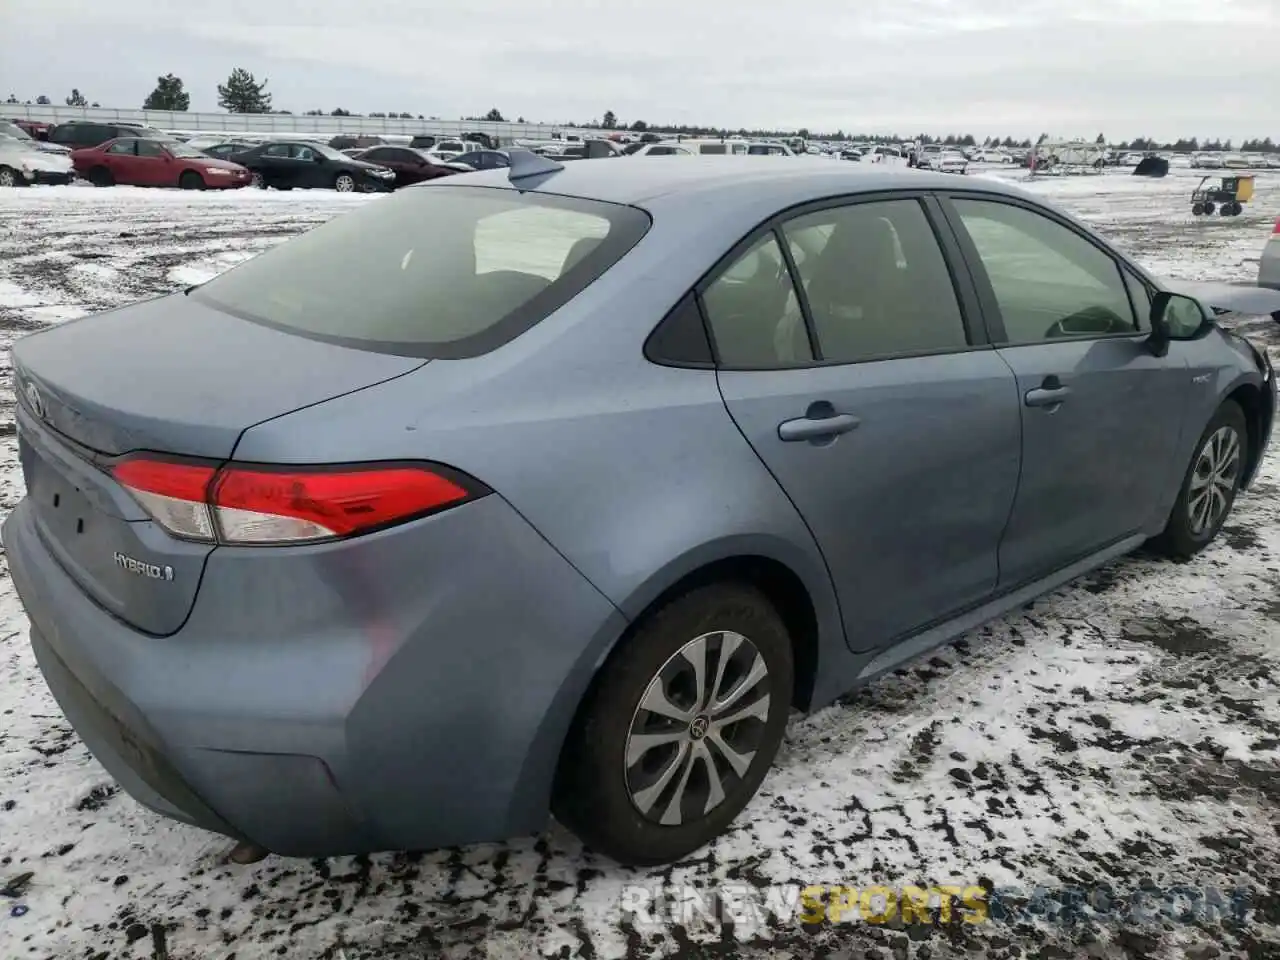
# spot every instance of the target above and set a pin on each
(1050, 393)
(817, 428)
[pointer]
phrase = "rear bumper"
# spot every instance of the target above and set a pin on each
(347, 699)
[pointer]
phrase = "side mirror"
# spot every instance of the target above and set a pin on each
(1175, 317)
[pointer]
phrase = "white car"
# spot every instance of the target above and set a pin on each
(951, 161)
(990, 156)
(21, 164)
(885, 156)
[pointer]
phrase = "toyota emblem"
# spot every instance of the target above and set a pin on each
(34, 400)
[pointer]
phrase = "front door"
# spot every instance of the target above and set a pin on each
(154, 166)
(1101, 413)
(891, 428)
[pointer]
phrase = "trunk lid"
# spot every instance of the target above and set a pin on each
(169, 375)
(179, 376)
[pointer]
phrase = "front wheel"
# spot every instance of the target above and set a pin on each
(680, 728)
(1209, 487)
(190, 180)
(1197, 209)
(256, 179)
(10, 178)
(1208, 207)
(344, 183)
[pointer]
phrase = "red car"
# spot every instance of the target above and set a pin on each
(37, 129)
(141, 162)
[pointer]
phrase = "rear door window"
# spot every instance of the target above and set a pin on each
(446, 272)
(876, 282)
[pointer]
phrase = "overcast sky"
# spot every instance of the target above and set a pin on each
(1161, 68)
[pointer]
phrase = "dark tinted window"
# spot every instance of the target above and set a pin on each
(150, 148)
(661, 152)
(443, 272)
(379, 153)
(754, 315)
(876, 281)
(277, 150)
(1049, 281)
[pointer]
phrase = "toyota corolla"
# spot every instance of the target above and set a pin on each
(553, 490)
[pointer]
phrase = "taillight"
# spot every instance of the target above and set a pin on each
(1277, 229)
(254, 504)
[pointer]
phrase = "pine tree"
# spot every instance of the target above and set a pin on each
(168, 95)
(243, 94)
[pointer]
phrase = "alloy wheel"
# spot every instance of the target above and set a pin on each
(1213, 481)
(257, 180)
(7, 178)
(697, 728)
(344, 184)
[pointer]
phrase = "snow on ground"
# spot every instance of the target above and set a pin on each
(1123, 731)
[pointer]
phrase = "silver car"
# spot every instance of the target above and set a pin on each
(557, 488)
(1269, 264)
(22, 163)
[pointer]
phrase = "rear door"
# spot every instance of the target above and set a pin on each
(276, 167)
(1101, 414)
(852, 360)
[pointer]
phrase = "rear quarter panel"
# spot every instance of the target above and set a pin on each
(633, 471)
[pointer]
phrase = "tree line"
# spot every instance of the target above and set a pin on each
(244, 93)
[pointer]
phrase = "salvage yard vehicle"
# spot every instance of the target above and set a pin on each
(1228, 192)
(299, 163)
(78, 134)
(410, 166)
(556, 488)
(141, 162)
(23, 163)
(1269, 263)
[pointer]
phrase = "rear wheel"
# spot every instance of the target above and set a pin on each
(1236, 209)
(101, 177)
(344, 183)
(10, 177)
(1209, 487)
(680, 727)
(190, 180)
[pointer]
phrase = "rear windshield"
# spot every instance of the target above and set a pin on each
(436, 271)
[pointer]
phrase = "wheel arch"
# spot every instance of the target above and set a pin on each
(1258, 415)
(808, 611)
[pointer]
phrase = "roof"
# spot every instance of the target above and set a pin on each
(646, 181)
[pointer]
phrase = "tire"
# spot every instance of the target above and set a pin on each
(1227, 210)
(344, 183)
(190, 180)
(1208, 207)
(256, 179)
(1187, 531)
(617, 808)
(1236, 209)
(10, 177)
(101, 177)
(1197, 209)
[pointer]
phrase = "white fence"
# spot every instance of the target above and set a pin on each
(288, 123)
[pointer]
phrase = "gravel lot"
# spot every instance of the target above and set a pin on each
(1124, 731)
